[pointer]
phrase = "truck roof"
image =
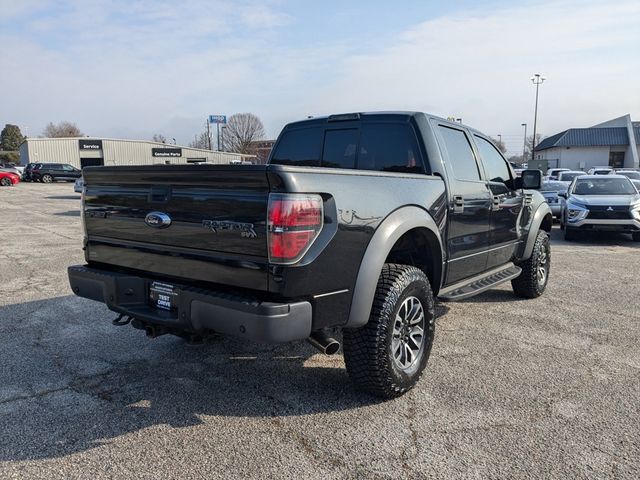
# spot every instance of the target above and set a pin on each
(380, 115)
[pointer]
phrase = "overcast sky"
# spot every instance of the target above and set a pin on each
(134, 68)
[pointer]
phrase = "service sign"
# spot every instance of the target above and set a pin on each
(217, 119)
(166, 152)
(90, 144)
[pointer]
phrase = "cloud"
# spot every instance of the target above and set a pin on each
(477, 66)
(131, 69)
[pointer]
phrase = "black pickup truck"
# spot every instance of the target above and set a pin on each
(356, 224)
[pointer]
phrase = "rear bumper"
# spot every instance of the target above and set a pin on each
(197, 309)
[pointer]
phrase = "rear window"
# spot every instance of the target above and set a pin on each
(389, 148)
(383, 147)
(299, 147)
(340, 148)
(554, 187)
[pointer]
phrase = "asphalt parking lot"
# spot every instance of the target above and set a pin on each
(545, 388)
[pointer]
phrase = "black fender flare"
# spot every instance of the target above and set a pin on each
(542, 212)
(386, 235)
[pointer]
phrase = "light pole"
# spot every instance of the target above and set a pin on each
(222, 129)
(537, 79)
(524, 144)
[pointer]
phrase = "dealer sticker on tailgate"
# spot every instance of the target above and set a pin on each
(163, 296)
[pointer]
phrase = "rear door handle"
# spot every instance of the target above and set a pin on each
(458, 204)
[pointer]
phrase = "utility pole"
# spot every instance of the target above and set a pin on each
(208, 135)
(537, 79)
(524, 144)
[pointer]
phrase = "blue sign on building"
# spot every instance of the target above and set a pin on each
(217, 119)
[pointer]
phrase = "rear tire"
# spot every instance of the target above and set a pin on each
(386, 356)
(46, 178)
(535, 271)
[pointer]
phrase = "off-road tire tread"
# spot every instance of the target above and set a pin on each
(526, 284)
(365, 351)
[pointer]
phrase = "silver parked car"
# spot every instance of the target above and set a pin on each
(552, 173)
(79, 185)
(551, 191)
(601, 202)
(569, 175)
(630, 174)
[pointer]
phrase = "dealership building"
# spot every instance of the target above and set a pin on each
(613, 143)
(86, 151)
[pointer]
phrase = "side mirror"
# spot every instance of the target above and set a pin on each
(530, 179)
(563, 195)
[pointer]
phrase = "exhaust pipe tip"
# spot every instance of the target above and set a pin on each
(323, 342)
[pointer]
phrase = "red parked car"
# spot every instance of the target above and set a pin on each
(8, 178)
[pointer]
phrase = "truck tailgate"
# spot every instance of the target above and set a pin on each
(149, 217)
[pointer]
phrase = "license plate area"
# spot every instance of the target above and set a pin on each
(163, 296)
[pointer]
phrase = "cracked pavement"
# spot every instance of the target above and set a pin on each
(545, 388)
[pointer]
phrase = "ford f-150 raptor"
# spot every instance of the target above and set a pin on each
(357, 223)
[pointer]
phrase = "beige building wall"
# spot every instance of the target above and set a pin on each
(116, 152)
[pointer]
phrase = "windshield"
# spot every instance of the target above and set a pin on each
(569, 176)
(631, 175)
(604, 186)
(554, 187)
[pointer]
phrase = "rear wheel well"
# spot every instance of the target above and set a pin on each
(420, 248)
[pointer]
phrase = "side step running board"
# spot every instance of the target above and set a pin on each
(474, 285)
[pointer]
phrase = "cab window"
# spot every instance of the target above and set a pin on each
(460, 154)
(495, 165)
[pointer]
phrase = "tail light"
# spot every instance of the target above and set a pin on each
(294, 222)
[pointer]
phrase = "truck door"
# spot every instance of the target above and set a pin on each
(507, 203)
(469, 205)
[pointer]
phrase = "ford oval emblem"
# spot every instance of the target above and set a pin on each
(157, 220)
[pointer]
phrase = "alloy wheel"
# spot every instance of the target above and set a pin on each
(543, 265)
(408, 333)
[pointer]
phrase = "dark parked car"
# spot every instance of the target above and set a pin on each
(357, 223)
(51, 172)
(26, 175)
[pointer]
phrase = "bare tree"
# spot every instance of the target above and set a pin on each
(242, 130)
(158, 137)
(62, 129)
(201, 141)
(529, 144)
(500, 144)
